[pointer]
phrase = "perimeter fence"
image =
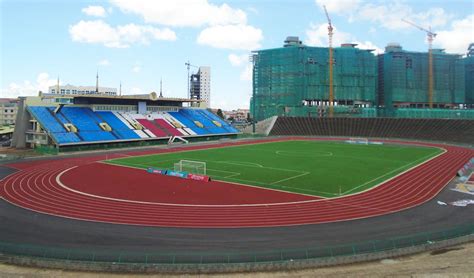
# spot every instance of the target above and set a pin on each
(202, 258)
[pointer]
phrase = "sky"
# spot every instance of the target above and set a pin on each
(137, 43)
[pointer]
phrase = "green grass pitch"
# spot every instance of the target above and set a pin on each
(319, 168)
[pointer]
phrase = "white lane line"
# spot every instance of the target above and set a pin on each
(58, 181)
(406, 165)
(241, 163)
(290, 178)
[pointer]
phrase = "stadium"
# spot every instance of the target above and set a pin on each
(183, 191)
(350, 157)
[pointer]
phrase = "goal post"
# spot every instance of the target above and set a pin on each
(358, 140)
(190, 166)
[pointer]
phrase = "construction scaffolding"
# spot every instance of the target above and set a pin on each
(469, 76)
(404, 79)
(294, 80)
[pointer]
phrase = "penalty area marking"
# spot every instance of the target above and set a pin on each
(240, 163)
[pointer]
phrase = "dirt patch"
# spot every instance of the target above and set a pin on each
(445, 250)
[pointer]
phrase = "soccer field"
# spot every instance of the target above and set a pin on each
(319, 168)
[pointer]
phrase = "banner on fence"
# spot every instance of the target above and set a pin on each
(198, 177)
(177, 174)
(152, 170)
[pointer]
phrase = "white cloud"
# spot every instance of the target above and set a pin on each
(97, 31)
(98, 11)
(103, 62)
(317, 35)
(182, 13)
(136, 91)
(369, 45)
(339, 6)
(458, 37)
(237, 60)
(246, 74)
(243, 37)
(136, 69)
(390, 14)
(28, 88)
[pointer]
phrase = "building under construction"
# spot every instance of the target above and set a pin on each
(403, 79)
(294, 80)
(469, 67)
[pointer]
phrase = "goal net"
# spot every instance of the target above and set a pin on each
(195, 167)
(358, 141)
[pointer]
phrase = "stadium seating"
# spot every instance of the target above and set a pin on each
(449, 130)
(188, 123)
(117, 125)
(98, 126)
(52, 125)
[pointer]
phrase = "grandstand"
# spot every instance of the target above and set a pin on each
(447, 130)
(101, 120)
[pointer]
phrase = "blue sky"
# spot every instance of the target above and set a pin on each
(138, 42)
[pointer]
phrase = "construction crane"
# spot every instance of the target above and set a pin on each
(331, 92)
(430, 36)
(188, 66)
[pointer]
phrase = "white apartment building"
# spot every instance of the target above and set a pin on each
(81, 90)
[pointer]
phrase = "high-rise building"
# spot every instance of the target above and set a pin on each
(403, 79)
(200, 86)
(293, 80)
(469, 66)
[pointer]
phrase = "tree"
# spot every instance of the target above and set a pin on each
(220, 114)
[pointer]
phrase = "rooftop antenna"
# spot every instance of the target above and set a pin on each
(161, 87)
(57, 86)
(97, 82)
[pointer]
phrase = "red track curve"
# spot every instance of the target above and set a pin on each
(35, 187)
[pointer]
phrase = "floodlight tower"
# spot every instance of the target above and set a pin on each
(331, 92)
(430, 37)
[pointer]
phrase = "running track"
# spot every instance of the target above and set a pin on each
(35, 187)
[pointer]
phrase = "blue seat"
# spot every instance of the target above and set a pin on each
(195, 115)
(97, 136)
(80, 118)
(44, 115)
(229, 128)
(189, 123)
(117, 125)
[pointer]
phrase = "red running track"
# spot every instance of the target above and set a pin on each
(35, 187)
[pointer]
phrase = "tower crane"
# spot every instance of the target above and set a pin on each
(331, 92)
(430, 37)
(188, 66)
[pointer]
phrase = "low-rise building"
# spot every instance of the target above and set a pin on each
(8, 110)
